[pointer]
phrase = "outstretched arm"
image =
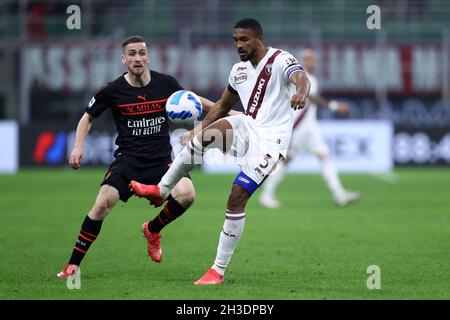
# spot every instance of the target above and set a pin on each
(84, 125)
(219, 110)
(333, 105)
(208, 105)
(301, 81)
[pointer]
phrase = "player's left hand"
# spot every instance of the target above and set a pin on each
(298, 101)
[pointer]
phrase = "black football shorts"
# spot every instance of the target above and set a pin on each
(125, 169)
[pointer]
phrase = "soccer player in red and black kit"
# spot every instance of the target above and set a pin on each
(137, 101)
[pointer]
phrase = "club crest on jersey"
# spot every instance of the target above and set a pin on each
(268, 68)
(240, 78)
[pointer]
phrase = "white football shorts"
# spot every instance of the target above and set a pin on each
(259, 155)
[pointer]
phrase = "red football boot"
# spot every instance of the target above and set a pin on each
(150, 192)
(68, 271)
(153, 243)
(209, 278)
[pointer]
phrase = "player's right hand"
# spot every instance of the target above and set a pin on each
(298, 101)
(75, 157)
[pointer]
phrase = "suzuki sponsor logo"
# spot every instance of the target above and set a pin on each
(257, 95)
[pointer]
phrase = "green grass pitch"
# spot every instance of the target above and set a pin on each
(310, 249)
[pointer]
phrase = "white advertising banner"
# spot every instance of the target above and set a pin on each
(355, 146)
(9, 146)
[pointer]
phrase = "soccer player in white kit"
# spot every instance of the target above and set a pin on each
(306, 137)
(269, 83)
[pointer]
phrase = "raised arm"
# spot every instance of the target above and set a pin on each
(84, 125)
(208, 105)
(220, 108)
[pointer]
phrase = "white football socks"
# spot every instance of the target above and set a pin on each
(229, 238)
(270, 186)
(331, 177)
(184, 162)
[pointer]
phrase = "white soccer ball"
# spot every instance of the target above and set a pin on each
(183, 108)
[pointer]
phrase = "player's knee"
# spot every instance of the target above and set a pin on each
(187, 198)
(237, 201)
(235, 205)
(101, 209)
(98, 213)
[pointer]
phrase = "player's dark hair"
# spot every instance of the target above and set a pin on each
(132, 39)
(250, 23)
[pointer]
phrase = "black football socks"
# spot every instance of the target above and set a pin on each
(89, 232)
(171, 211)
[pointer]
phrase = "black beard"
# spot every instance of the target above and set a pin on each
(248, 57)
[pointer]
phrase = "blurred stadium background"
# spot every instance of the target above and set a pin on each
(399, 74)
(396, 80)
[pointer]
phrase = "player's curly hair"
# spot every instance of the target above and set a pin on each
(250, 23)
